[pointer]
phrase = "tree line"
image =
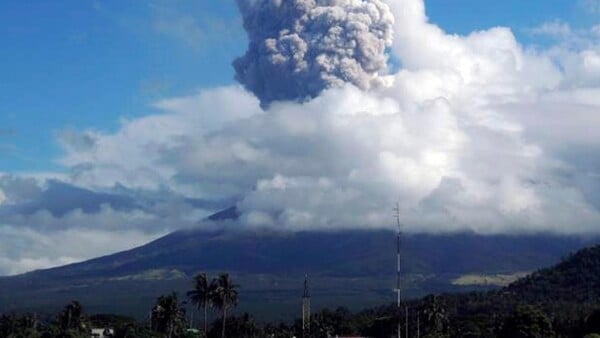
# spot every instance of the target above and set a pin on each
(563, 301)
(168, 317)
(452, 315)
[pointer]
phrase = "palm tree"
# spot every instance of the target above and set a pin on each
(168, 316)
(203, 294)
(226, 296)
(71, 316)
(435, 314)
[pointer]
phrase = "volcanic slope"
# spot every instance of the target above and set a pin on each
(352, 268)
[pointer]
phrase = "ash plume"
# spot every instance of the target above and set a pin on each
(298, 48)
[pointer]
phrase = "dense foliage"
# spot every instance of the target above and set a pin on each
(563, 301)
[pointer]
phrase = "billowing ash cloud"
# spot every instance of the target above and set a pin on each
(298, 48)
(475, 133)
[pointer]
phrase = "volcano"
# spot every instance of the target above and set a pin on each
(351, 268)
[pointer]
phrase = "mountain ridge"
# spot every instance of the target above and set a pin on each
(348, 267)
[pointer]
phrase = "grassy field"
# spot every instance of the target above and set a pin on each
(267, 296)
(498, 280)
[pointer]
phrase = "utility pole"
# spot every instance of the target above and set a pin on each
(406, 321)
(397, 210)
(305, 308)
(418, 325)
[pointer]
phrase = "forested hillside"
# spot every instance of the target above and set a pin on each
(561, 301)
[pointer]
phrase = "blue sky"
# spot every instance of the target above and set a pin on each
(463, 16)
(476, 134)
(88, 64)
(85, 64)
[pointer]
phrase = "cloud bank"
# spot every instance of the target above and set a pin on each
(473, 133)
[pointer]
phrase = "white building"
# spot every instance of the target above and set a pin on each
(103, 333)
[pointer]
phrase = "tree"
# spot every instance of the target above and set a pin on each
(527, 322)
(592, 322)
(16, 326)
(436, 318)
(239, 326)
(71, 321)
(70, 316)
(168, 316)
(226, 296)
(277, 331)
(327, 323)
(203, 294)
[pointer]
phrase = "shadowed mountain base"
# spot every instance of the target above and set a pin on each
(350, 268)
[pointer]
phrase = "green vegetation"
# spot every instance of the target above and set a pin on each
(219, 293)
(168, 316)
(203, 295)
(488, 280)
(563, 301)
(226, 297)
(347, 268)
(152, 274)
(527, 322)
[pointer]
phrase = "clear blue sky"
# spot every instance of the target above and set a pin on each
(87, 64)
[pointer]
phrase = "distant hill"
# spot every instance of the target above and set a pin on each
(575, 279)
(353, 268)
(341, 253)
(568, 294)
(560, 301)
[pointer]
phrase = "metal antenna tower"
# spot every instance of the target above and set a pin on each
(305, 308)
(397, 210)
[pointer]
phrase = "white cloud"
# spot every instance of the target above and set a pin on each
(476, 133)
(592, 6)
(136, 155)
(195, 26)
(182, 27)
(555, 29)
(576, 53)
(49, 222)
(453, 138)
(25, 249)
